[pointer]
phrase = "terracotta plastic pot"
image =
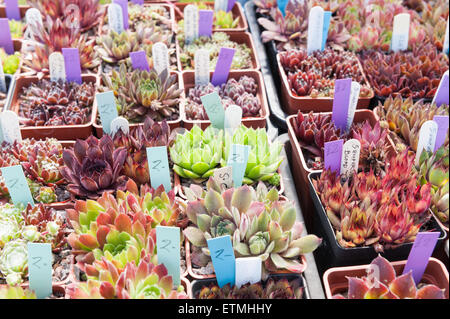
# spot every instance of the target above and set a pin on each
(172, 124)
(335, 279)
(301, 170)
(255, 122)
(63, 132)
(293, 104)
(238, 37)
(22, 9)
(236, 10)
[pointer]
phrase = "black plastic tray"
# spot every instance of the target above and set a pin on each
(338, 256)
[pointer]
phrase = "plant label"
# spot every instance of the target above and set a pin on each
(5, 36)
(333, 155)
(40, 260)
(233, 118)
(120, 123)
(442, 132)
(168, 251)
(237, 159)
(17, 185)
(107, 108)
(315, 29)
(341, 103)
(33, 17)
(220, 5)
(115, 18)
(326, 26)
(214, 109)
(224, 177)
(2, 79)
(230, 5)
(139, 60)
(73, 16)
(427, 138)
(282, 6)
(158, 164)
(441, 96)
(420, 254)
(57, 67)
(190, 23)
(224, 263)
(350, 157)
(248, 270)
(160, 55)
(201, 67)
(72, 64)
(10, 127)
(223, 66)
(124, 5)
(446, 41)
(139, 2)
(400, 32)
(205, 22)
(354, 96)
(12, 10)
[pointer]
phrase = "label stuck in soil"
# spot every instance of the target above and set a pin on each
(400, 32)
(224, 177)
(442, 132)
(168, 250)
(223, 66)
(5, 36)
(341, 103)
(72, 64)
(120, 123)
(2, 78)
(224, 263)
(237, 159)
(124, 5)
(233, 118)
(315, 29)
(160, 57)
(427, 138)
(115, 18)
(201, 67)
(442, 93)
(248, 270)
(17, 185)
(333, 155)
(33, 17)
(190, 23)
(214, 109)
(10, 127)
(107, 109)
(139, 60)
(220, 5)
(354, 96)
(326, 26)
(158, 164)
(57, 67)
(205, 22)
(12, 9)
(40, 269)
(350, 157)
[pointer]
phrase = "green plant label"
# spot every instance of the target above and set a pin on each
(17, 185)
(214, 109)
(40, 269)
(9, 127)
(190, 23)
(427, 138)
(248, 270)
(237, 159)
(168, 247)
(57, 67)
(400, 32)
(223, 259)
(158, 164)
(315, 29)
(106, 104)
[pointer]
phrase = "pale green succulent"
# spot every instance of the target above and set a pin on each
(14, 261)
(16, 292)
(9, 211)
(9, 230)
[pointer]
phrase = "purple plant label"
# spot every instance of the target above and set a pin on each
(326, 26)
(12, 9)
(139, 2)
(333, 155)
(441, 96)
(230, 5)
(5, 36)
(341, 102)
(124, 5)
(442, 132)
(400, 32)
(427, 139)
(315, 29)
(72, 64)
(446, 41)
(139, 60)
(420, 254)
(205, 22)
(223, 66)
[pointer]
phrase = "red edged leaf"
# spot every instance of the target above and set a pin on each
(357, 288)
(404, 286)
(430, 292)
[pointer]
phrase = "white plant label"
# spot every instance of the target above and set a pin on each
(354, 96)
(190, 23)
(427, 138)
(33, 17)
(2, 79)
(224, 177)
(201, 61)
(400, 32)
(220, 5)
(315, 29)
(115, 18)
(120, 123)
(57, 67)
(248, 270)
(233, 118)
(350, 157)
(160, 55)
(445, 48)
(9, 124)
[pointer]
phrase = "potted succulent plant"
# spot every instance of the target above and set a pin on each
(259, 222)
(357, 283)
(24, 292)
(11, 62)
(243, 88)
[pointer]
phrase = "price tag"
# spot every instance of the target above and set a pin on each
(442, 132)
(57, 67)
(17, 185)
(238, 159)
(201, 61)
(5, 36)
(446, 41)
(107, 108)
(160, 57)
(214, 109)
(220, 5)
(350, 157)
(326, 26)
(400, 32)
(72, 64)
(354, 97)
(282, 6)
(224, 263)
(233, 118)
(120, 123)
(427, 138)
(190, 23)
(10, 127)
(139, 2)
(40, 269)
(248, 270)
(168, 247)
(158, 164)
(315, 29)
(12, 10)
(33, 17)
(115, 18)
(230, 5)
(2, 79)
(420, 254)
(124, 5)
(205, 22)
(223, 66)
(333, 155)
(341, 102)
(441, 96)
(139, 60)
(224, 177)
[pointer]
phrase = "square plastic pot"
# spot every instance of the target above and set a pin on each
(22, 9)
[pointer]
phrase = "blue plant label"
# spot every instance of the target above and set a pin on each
(40, 269)
(237, 159)
(158, 164)
(107, 108)
(168, 248)
(326, 26)
(223, 259)
(282, 6)
(17, 185)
